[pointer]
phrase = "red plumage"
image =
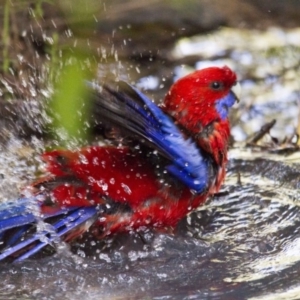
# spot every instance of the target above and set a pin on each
(133, 187)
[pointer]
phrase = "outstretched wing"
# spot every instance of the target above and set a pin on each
(24, 230)
(132, 111)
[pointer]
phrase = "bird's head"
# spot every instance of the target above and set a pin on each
(201, 97)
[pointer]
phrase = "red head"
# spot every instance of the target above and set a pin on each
(197, 99)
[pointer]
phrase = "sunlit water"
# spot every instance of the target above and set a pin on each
(243, 243)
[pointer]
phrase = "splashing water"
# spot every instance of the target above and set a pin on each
(239, 245)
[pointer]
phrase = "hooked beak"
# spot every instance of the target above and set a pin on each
(236, 91)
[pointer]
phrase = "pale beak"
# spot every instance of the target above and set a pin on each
(237, 91)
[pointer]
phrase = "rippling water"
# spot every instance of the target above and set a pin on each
(244, 243)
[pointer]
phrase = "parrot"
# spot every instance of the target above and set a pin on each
(161, 163)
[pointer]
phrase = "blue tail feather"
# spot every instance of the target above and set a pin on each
(61, 228)
(16, 236)
(19, 237)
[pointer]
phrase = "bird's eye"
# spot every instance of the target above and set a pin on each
(61, 160)
(216, 85)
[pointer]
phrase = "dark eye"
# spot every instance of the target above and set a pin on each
(61, 160)
(216, 85)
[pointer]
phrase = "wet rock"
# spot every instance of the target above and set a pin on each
(19, 118)
(147, 29)
(140, 29)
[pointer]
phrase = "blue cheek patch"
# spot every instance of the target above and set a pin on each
(223, 105)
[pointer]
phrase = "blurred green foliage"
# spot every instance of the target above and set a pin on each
(5, 36)
(69, 69)
(69, 106)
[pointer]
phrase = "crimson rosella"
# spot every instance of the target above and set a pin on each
(173, 157)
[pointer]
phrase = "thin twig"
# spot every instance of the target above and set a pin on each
(265, 129)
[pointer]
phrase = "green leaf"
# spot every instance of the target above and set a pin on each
(69, 106)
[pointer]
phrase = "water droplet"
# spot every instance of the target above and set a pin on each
(95, 161)
(126, 188)
(83, 159)
(104, 257)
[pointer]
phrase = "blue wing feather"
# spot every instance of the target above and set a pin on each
(139, 115)
(189, 164)
(133, 110)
